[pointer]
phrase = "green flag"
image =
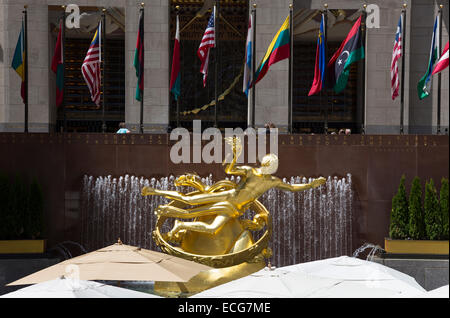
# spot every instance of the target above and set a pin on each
(424, 85)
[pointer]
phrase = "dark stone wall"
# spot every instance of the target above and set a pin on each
(376, 163)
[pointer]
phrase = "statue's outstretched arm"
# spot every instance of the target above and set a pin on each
(300, 187)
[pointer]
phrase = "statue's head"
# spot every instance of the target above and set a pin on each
(269, 164)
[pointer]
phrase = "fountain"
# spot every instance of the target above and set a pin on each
(306, 226)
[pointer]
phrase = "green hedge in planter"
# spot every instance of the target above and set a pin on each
(443, 204)
(432, 213)
(398, 228)
(416, 222)
(21, 208)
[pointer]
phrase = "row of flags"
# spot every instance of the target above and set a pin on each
(334, 73)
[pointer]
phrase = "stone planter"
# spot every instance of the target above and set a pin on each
(22, 246)
(416, 247)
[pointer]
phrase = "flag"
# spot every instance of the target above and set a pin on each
(350, 51)
(278, 50)
(175, 77)
(208, 41)
(247, 80)
(58, 66)
(319, 72)
(443, 61)
(91, 66)
(396, 54)
(139, 59)
(18, 60)
(424, 85)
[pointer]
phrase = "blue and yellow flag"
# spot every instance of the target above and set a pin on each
(18, 61)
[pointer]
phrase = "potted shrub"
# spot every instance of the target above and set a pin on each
(21, 216)
(425, 221)
(443, 205)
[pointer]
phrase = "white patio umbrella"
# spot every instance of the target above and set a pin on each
(357, 274)
(71, 288)
(268, 283)
(441, 292)
(342, 277)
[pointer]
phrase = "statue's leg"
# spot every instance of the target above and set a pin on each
(207, 209)
(196, 199)
(224, 211)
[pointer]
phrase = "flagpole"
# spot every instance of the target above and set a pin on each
(439, 75)
(402, 93)
(104, 66)
(141, 120)
(216, 49)
(363, 104)
(63, 40)
(25, 35)
(325, 39)
(253, 66)
(290, 73)
(178, 98)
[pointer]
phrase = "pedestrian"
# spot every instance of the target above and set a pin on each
(122, 129)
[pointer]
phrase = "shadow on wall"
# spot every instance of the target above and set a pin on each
(1, 53)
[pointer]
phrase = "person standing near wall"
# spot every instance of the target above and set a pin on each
(122, 129)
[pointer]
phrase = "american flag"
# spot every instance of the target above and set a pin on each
(396, 54)
(208, 41)
(91, 66)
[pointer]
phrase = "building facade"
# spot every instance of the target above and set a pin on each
(367, 99)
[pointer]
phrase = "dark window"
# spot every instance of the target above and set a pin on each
(82, 114)
(232, 111)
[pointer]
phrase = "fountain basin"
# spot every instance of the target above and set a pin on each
(416, 247)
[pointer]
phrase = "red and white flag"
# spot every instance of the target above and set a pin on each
(443, 61)
(396, 54)
(208, 41)
(91, 66)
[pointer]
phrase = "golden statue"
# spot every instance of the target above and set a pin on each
(218, 236)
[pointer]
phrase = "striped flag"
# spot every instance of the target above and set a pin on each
(443, 61)
(139, 59)
(247, 82)
(320, 68)
(278, 50)
(18, 60)
(350, 51)
(58, 66)
(424, 85)
(396, 54)
(175, 78)
(91, 66)
(208, 41)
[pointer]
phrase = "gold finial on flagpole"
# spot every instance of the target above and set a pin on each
(326, 5)
(404, 5)
(365, 6)
(254, 6)
(64, 7)
(441, 6)
(178, 8)
(143, 4)
(291, 6)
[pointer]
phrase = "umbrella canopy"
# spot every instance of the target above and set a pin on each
(271, 284)
(119, 262)
(358, 271)
(441, 292)
(69, 288)
(342, 277)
